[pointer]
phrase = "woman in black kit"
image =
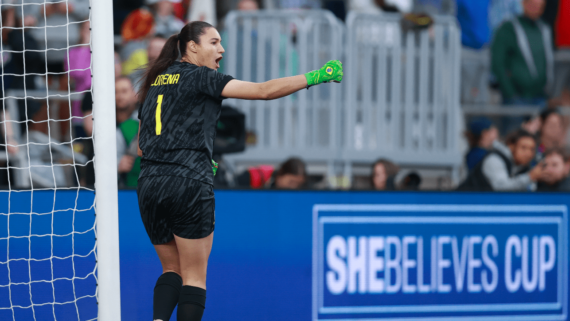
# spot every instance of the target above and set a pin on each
(181, 105)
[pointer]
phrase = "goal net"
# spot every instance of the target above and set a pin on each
(48, 230)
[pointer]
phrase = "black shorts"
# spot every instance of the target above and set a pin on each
(172, 205)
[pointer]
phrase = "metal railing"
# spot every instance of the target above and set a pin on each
(399, 98)
(264, 45)
(402, 92)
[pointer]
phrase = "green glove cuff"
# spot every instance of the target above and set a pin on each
(214, 167)
(312, 78)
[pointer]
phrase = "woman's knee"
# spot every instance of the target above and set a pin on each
(172, 268)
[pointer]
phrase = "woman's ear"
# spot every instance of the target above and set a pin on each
(192, 46)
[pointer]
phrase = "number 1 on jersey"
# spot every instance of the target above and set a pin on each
(158, 111)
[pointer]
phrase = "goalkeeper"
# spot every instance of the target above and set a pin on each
(181, 103)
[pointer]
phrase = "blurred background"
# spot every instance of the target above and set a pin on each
(437, 95)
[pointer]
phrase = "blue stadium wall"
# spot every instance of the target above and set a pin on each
(280, 255)
(285, 256)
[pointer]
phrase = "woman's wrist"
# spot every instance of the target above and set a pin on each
(312, 78)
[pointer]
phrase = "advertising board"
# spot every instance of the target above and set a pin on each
(394, 261)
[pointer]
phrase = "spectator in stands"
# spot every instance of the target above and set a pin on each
(79, 67)
(506, 167)
(15, 62)
(552, 132)
(87, 173)
(7, 135)
(255, 177)
(532, 124)
(555, 171)
(383, 175)
(549, 16)
(482, 133)
(292, 174)
(58, 28)
(411, 182)
(473, 17)
(562, 40)
(60, 16)
(127, 132)
(181, 9)
(30, 13)
(562, 25)
(503, 10)
(153, 51)
(166, 23)
(121, 9)
(155, 47)
(9, 144)
(45, 152)
(137, 29)
(522, 57)
(247, 5)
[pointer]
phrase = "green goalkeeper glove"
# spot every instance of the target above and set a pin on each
(331, 71)
(214, 167)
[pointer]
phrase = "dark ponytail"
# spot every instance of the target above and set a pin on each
(169, 54)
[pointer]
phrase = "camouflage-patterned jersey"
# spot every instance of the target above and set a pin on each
(178, 122)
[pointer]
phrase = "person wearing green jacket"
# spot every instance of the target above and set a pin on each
(127, 133)
(522, 58)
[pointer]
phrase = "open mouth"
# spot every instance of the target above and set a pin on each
(218, 62)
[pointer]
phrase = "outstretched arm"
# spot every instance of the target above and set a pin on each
(281, 87)
(268, 90)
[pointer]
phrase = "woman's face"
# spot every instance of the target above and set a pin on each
(289, 181)
(379, 177)
(488, 137)
(554, 169)
(523, 151)
(209, 51)
(552, 130)
(164, 8)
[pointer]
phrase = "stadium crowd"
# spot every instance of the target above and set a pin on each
(521, 38)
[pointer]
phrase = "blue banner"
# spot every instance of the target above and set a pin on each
(306, 256)
(403, 260)
(371, 256)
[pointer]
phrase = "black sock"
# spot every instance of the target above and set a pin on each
(166, 295)
(191, 304)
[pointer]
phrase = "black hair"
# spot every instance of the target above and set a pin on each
(548, 112)
(391, 170)
(563, 153)
(169, 54)
(292, 166)
(514, 137)
(473, 139)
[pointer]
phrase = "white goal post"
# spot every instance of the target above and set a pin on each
(109, 290)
